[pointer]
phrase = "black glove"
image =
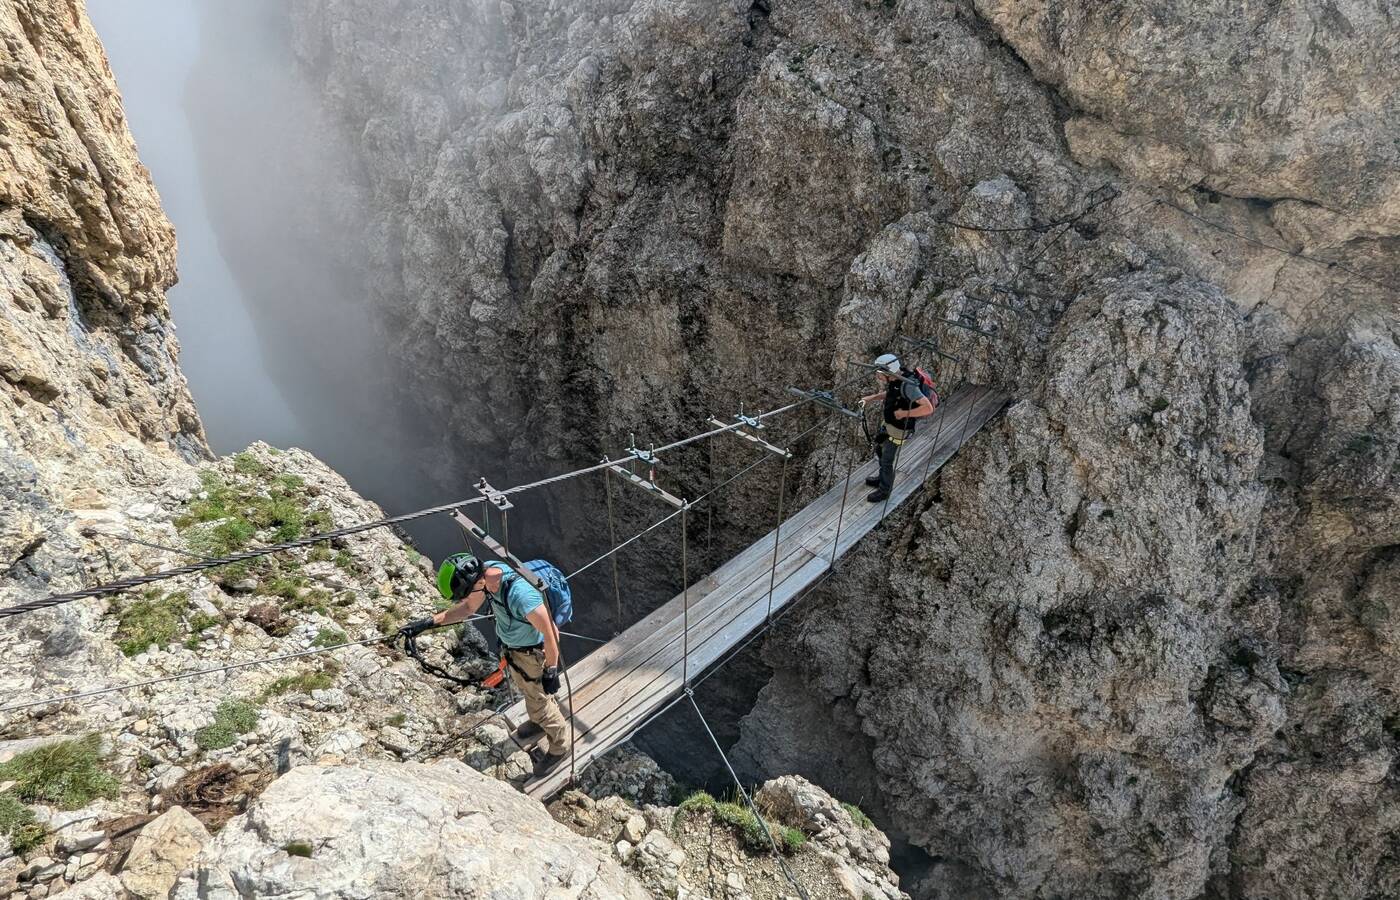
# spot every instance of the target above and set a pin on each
(417, 627)
(550, 680)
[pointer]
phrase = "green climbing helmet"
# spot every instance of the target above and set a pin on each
(457, 574)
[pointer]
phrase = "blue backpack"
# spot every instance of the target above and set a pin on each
(556, 589)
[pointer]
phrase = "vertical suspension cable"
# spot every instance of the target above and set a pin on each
(612, 542)
(710, 507)
(685, 595)
(841, 514)
(777, 536)
(505, 530)
(937, 435)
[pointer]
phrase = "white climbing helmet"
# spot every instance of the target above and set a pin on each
(887, 362)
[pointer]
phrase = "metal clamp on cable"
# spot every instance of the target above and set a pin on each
(646, 457)
(982, 331)
(648, 485)
(737, 428)
(496, 498)
(929, 347)
(826, 399)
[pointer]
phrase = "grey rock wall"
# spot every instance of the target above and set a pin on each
(1137, 640)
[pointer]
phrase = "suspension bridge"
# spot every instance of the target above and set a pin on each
(617, 689)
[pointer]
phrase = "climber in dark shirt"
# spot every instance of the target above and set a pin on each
(904, 401)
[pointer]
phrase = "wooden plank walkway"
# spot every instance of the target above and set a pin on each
(632, 676)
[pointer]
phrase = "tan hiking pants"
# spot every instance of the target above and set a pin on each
(526, 670)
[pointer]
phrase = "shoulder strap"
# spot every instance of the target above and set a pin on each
(501, 601)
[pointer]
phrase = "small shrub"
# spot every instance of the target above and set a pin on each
(228, 536)
(283, 514)
(199, 623)
(292, 484)
(700, 801)
(345, 562)
(17, 824)
(154, 619)
(67, 774)
(232, 718)
(743, 823)
(319, 553)
(297, 848)
(857, 815)
(328, 637)
(246, 463)
(303, 682)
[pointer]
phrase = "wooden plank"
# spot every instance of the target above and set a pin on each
(622, 683)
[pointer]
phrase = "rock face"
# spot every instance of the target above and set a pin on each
(706, 848)
(1293, 102)
(400, 830)
(88, 377)
(1138, 639)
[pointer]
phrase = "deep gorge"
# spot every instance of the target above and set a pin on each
(1138, 639)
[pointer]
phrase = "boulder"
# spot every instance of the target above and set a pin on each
(400, 830)
(161, 851)
(101, 886)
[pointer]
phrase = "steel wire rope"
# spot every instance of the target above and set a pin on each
(787, 872)
(777, 536)
(612, 540)
(671, 641)
(661, 674)
(574, 711)
(81, 695)
(130, 582)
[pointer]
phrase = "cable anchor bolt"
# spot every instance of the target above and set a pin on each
(496, 498)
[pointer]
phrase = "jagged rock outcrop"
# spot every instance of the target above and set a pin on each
(1292, 102)
(400, 830)
(1138, 639)
(710, 848)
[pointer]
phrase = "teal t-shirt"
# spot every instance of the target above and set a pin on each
(521, 598)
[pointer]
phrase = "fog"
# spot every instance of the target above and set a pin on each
(279, 343)
(151, 45)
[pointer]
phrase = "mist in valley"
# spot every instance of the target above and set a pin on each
(280, 340)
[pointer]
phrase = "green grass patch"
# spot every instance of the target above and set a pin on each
(790, 839)
(67, 774)
(303, 682)
(396, 720)
(233, 512)
(297, 848)
(246, 463)
(200, 623)
(17, 824)
(232, 718)
(857, 815)
(743, 823)
(328, 637)
(319, 553)
(154, 619)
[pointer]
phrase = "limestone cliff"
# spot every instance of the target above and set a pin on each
(1138, 640)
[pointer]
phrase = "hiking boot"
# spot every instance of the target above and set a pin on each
(528, 730)
(872, 481)
(547, 762)
(877, 496)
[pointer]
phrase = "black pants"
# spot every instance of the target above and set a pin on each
(885, 452)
